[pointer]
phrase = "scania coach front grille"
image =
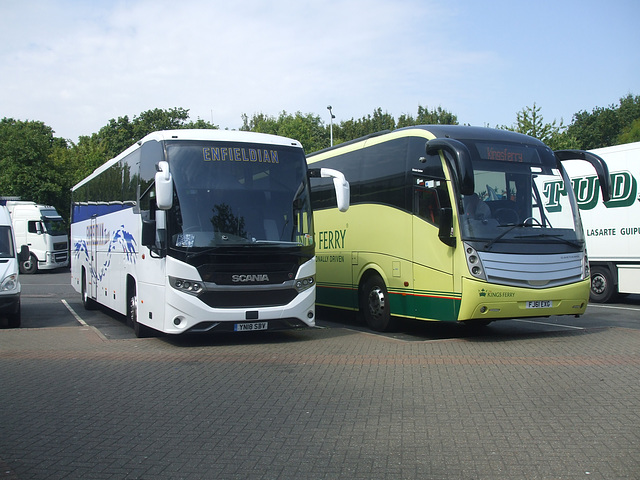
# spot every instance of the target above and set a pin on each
(247, 298)
(250, 273)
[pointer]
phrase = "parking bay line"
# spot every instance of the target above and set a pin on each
(75, 315)
(560, 325)
(614, 307)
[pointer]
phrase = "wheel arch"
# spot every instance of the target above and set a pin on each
(611, 266)
(131, 285)
(367, 271)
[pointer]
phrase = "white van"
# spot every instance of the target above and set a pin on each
(42, 229)
(9, 266)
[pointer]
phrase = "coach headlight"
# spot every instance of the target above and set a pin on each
(473, 262)
(193, 287)
(305, 283)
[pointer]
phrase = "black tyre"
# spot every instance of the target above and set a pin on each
(87, 302)
(30, 265)
(141, 331)
(602, 286)
(374, 305)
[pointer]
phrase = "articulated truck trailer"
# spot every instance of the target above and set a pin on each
(612, 229)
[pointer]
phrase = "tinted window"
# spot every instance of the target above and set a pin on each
(112, 190)
(228, 193)
(376, 174)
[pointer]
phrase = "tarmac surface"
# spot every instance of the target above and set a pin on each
(324, 403)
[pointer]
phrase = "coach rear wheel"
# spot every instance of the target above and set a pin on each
(87, 302)
(374, 305)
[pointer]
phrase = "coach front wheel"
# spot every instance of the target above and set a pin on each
(374, 304)
(141, 331)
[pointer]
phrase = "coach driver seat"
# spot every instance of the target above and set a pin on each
(475, 208)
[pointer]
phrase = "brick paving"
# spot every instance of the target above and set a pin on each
(319, 404)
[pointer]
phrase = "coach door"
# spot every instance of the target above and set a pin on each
(432, 259)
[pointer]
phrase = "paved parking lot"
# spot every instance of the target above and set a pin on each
(322, 403)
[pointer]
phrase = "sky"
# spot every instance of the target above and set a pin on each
(74, 65)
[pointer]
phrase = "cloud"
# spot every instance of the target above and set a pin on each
(75, 65)
(220, 59)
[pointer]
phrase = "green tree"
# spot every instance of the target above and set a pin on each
(596, 129)
(628, 114)
(529, 121)
(436, 116)
(315, 134)
(631, 133)
(306, 128)
(608, 126)
(352, 129)
(259, 123)
(26, 169)
(200, 124)
(120, 134)
(75, 163)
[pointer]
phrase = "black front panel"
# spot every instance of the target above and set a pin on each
(266, 271)
(248, 298)
(253, 269)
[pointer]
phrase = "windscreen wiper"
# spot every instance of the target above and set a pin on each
(511, 227)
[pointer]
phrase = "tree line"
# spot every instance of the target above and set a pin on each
(36, 165)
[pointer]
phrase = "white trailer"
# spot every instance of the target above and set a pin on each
(42, 229)
(612, 229)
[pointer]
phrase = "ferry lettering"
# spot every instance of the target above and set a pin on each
(331, 239)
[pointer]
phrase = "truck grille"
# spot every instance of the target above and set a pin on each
(60, 257)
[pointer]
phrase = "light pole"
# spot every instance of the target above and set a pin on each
(331, 123)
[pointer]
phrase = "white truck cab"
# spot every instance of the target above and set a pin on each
(10, 257)
(42, 229)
